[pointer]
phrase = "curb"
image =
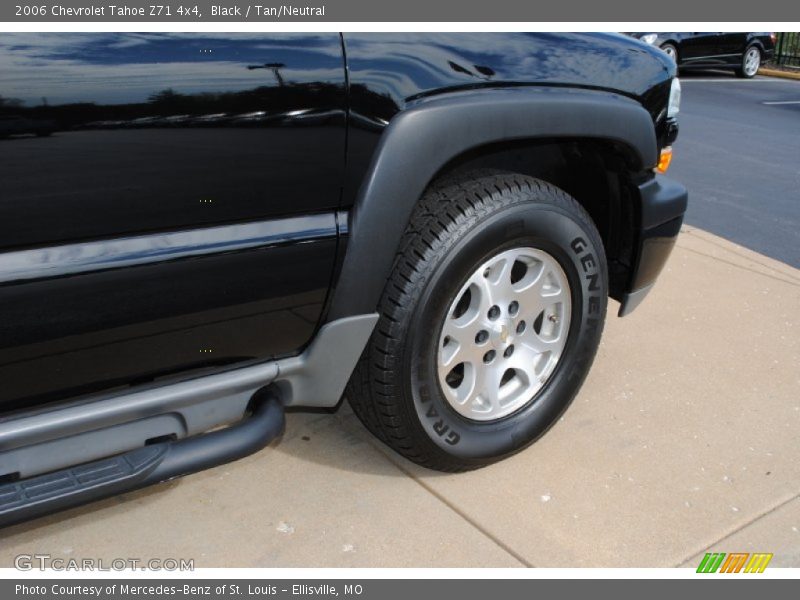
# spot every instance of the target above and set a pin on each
(781, 74)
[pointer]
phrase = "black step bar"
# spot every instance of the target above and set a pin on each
(30, 498)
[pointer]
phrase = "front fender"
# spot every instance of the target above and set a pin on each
(423, 139)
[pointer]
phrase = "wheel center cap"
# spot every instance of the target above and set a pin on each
(502, 334)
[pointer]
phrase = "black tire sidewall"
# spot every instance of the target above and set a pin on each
(579, 251)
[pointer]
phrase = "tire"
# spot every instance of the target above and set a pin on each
(397, 389)
(670, 50)
(751, 62)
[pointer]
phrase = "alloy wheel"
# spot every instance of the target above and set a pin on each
(504, 334)
(752, 61)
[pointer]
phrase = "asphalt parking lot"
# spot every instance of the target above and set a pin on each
(684, 438)
(738, 153)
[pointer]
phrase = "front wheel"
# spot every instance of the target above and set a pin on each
(751, 62)
(488, 324)
(671, 51)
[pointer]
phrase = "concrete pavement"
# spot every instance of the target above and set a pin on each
(685, 437)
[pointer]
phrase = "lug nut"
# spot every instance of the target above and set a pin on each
(520, 327)
(509, 351)
(513, 308)
(481, 336)
(553, 318)
(489, 356)
(494, 312)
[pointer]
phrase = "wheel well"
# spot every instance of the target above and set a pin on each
(594, 172)
(757, 44)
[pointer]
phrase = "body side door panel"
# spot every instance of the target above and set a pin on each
(700, 48)
(182, 215)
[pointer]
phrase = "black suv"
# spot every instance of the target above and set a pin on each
(223, 226)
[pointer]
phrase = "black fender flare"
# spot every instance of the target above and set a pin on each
(424, 138)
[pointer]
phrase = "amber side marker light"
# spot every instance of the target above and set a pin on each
(664, 160)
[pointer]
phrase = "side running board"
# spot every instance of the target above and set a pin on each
(97, 447)
(36, 496)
